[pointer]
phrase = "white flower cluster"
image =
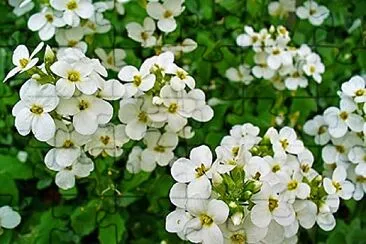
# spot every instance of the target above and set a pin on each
(285, 66)
(257, 190)
(342, 133)
(164, 14)
(70, 20)
(66, 104)
(316, 14)
(9, 219)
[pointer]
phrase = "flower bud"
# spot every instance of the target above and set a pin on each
(247, 195)
(217, 179)
(49, 56)
(254, 186)
(237, 218)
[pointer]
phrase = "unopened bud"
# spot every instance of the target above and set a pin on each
(217, 179)
(254, 186)
(157, 100)
(237, 218)
(49, 56)
(247, 195)
(233, 205)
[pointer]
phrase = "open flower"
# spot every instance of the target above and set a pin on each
(195, 171)
(165, 13)
(45, 23)
(73, 10)
(22, 60)
(312, 11)
(143, 34)
(32, 111)
(338, 184)
(113, 60)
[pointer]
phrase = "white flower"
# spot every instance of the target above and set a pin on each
(339, 120)
(312, 11)
(159, 149)
(21, 6)
(71, 38)
(9, 219)
(45, 23)
(306, 212)
(269, 206)
(282, 8)
(32, 111)
(65, 177)
(113, 60)
(338, 184)
(136, 114)
(73, 10)
(67, 145)
(176, 220)
(73, 76)
(314, 67)
(160, 63)
(257, 168)
(88, 112)
(202, 112)
(207, 216)
(195, 171)
(355, 88)
(22, 60)
(295, 188)
(107, 140)
(181, 79)
(328, 205)
(133, 164)
(240, 74)
(143, 34)
(357, 155)
(296, 79)
(277, 56)
(285, 140)
(138, 80)
(111, 90)
(249, 38)
(165, 13)
(22, 156)
(262, 70)
(338, 152)
(317, 128)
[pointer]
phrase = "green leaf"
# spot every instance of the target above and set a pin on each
(83, 219)
(111, 229)
(11, 166)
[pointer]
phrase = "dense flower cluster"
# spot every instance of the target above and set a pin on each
(66, 102)
(276, 61)
(161, 16)
(341, 130)
(258, 189)
(316, 14)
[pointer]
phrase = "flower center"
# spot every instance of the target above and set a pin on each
(105, 139)
(73, 76)
(200, 170)
(144, 36)
(296, 75)
(206, 220)
(83, 105)
(337, 186)
(23, 62)
(292, 185)
(159, 148)
(360, 92)
(312, 11)
(68, 144)
(72, 43)
(36, 109)
(238, 239)
(137, 80)
(235, 151)
(276, 168)
(305, 168)
(343, 115)
(142, 117)
(49, 18)
(255, 38)
(284, 143)
(322, 129)
(340, 149)
(110, 60)
(72, 5)
(276, 51)
(168, 14)
(173, 108)
(312, 69)
(181, 75)
(272, 204)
